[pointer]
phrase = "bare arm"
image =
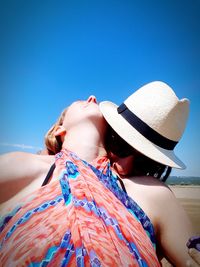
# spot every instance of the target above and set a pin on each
(171, 224)
(174, 228)
(17, 170)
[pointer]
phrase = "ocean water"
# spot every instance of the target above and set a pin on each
(183, 180)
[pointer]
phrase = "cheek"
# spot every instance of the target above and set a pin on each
(124, 166)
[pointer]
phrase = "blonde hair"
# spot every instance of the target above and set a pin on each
(54, 143)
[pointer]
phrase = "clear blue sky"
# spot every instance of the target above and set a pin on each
(55, 52)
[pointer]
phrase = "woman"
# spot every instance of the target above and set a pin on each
(152, 121)
(76, 219)
(82, 216)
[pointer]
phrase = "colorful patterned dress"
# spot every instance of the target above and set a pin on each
(83, 218)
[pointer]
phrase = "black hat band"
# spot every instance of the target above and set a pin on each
(145, 129)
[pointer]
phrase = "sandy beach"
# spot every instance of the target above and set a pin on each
(189, 197)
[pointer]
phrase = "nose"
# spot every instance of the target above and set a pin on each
(92, 98)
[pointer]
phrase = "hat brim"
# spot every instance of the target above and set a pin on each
(137, 140)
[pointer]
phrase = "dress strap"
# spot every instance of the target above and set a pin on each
(49, 174)
(122, 184)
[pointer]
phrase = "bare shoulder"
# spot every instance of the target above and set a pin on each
(23, 155)
(23, 158)
(14, 156)
(19, 169)
(20, 165)
(149, 192)
(156, 191)
(171, 224)
(150, 185)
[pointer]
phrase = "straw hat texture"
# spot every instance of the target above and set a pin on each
(152, 120)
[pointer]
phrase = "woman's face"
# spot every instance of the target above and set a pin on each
(81, 112)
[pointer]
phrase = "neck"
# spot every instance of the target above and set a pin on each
(87, 143)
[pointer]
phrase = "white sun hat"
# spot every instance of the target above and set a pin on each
(151, 120)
